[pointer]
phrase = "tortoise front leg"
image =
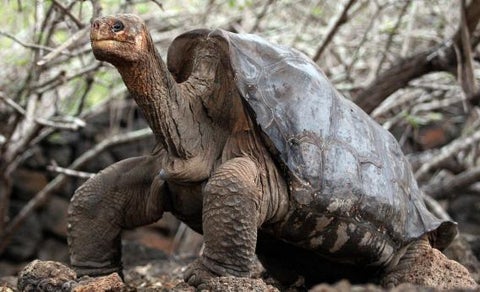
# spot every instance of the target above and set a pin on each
(125, 195)
(231, 217)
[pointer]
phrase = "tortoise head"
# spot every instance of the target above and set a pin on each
(120, 39)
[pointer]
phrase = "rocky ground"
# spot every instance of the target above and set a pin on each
(159, 275)
(145, 278)
(150, 269)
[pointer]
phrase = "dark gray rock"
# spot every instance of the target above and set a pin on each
(46, 276)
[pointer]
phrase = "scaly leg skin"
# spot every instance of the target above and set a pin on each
(231, 216)
(426, 266)
(125, 195)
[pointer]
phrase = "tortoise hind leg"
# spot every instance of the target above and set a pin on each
(426, 266)
(123, 196)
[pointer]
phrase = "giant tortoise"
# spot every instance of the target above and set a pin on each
(259, 153)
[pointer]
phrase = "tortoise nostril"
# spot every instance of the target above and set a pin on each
(117, 26)
(95, 24)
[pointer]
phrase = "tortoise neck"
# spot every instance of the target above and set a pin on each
(167, 111)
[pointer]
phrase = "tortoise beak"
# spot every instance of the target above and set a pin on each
(98, 30)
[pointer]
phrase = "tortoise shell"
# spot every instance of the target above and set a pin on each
(338, 161)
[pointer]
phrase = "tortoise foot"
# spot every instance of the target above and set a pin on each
(197, 274)
(426, 266)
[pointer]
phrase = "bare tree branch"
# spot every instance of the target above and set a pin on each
(67, 12)
(29, 46)
(41, 197)
(464, 54)
(392, 33)
(436, 208)
(337, 22)
(74, 38)
(439, 58)
(70, 172)
(261, 15)
(449, 188)
(365, 35)
(75, 124)
(411, 21)
(159, 4)
(448, 151)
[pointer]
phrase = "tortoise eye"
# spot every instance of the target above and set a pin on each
(117, 26)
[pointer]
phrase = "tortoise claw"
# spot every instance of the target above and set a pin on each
(197, 274)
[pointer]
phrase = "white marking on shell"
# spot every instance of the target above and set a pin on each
(342, 238)
(316, 241)
(367, 238)
(352, 227)
(341, 205)
(322, 222)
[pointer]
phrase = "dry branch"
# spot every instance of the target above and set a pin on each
(437, 104)
(411, 21)
(70, 172)
(392, 33)
(436, 208)
(365, 37)
(261, 15)
(394, 79)
(74, 125)
(446, 152)
(338, 21)
(67, 12)
(74, 38)
(464, 57)
(41, 197)
(28, 45)
(449, 188)
(439, 58)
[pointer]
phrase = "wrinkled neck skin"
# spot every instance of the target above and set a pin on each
(175, 113)
(201, 124)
